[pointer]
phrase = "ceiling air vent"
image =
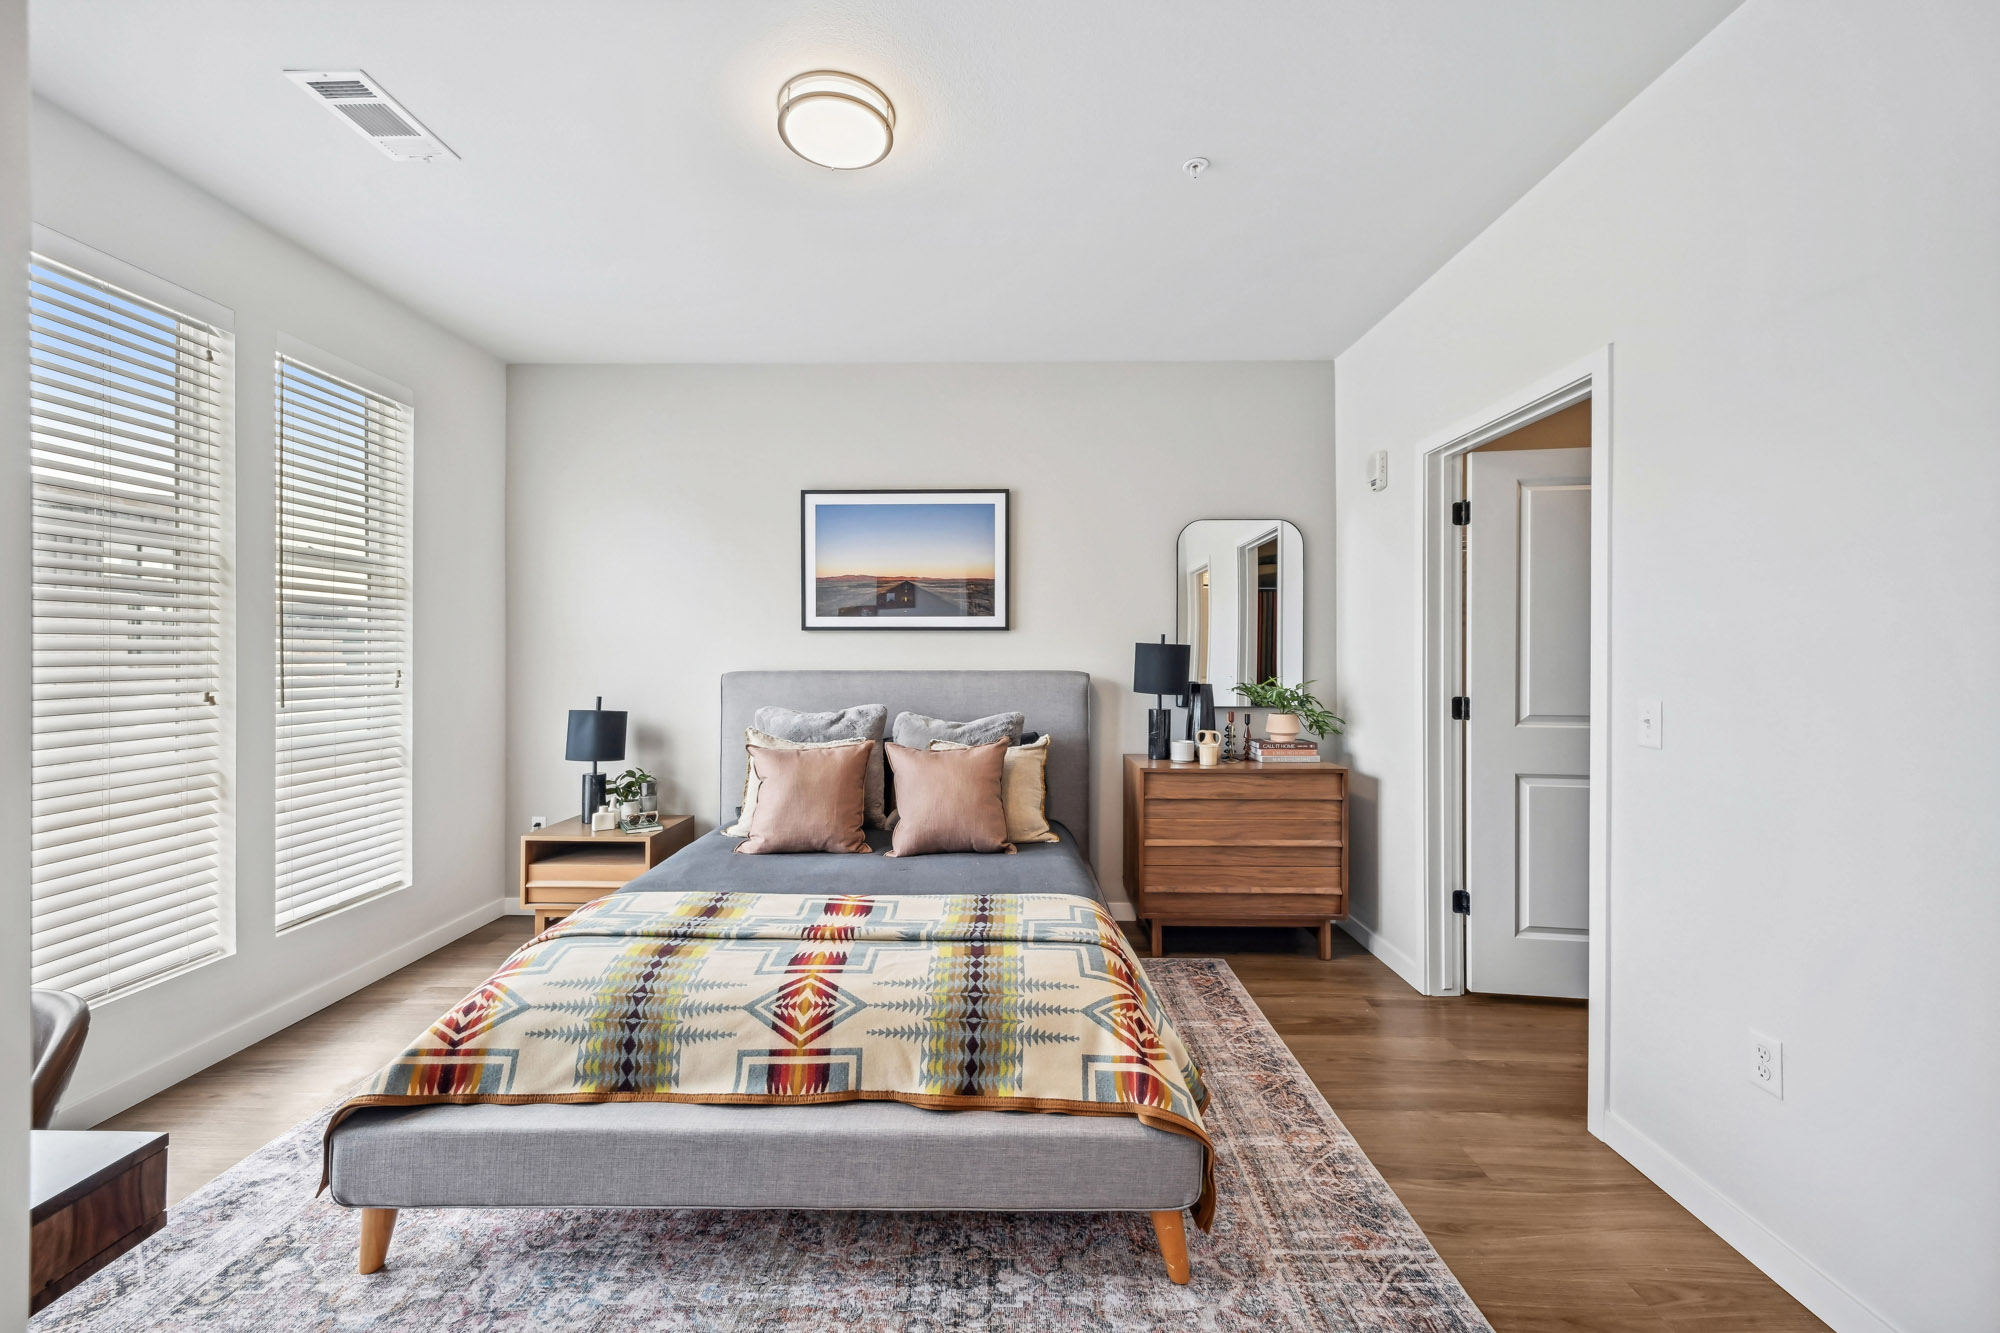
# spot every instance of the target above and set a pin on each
(359, 103)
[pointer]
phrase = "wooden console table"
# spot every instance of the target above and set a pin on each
(1240, 844)
(92, 1195)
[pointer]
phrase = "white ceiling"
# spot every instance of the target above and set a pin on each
(624, 197)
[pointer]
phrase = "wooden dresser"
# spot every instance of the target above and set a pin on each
(1240, 844)
(565, 865)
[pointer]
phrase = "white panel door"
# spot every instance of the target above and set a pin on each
(1527, 741)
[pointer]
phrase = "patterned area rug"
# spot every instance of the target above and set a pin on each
(1308, 1236)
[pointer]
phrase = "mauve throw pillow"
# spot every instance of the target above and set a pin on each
(861, 722)
(949, 800)
(808, 800)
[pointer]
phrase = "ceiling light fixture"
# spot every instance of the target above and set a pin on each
(836, 120)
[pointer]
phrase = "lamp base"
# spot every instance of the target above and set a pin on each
(593, 795)
(1159, 733)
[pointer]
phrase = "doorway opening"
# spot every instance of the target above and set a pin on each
(1516, 662)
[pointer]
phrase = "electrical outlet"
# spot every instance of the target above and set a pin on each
(537, 821)
(1649, 723)
(1767, 1063)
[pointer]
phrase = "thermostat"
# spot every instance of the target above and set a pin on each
(1378, 470)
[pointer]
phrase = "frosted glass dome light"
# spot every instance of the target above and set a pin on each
(836, 120)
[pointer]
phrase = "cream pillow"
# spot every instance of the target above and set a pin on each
(1024, 789)
(764, 740)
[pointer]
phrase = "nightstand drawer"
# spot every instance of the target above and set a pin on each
(588, 865)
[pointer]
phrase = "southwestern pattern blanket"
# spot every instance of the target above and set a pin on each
(1017, 1002)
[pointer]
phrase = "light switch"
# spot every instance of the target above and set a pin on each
(1649, 723)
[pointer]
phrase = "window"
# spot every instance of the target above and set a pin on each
(127, 444)
(343, 644)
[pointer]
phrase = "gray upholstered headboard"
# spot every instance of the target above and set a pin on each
(1057, 703)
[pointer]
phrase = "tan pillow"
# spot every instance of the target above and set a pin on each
(1024, 789)
(752, 736)
(812, 799)
(949, 800)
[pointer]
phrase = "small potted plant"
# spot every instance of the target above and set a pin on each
(636, 792)
(1291, 706)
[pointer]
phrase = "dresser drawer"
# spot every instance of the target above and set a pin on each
(1261, 782)
(1243, 879)
(1240, 821)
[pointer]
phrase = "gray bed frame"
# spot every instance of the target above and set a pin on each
(845, 1156)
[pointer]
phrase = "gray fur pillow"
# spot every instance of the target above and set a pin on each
(914, 731)
(861, 722)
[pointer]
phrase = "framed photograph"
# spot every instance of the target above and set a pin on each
(903, 559)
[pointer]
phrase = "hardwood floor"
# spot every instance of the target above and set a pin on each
(1472, 1108)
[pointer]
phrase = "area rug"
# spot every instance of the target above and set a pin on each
(1308, 1236)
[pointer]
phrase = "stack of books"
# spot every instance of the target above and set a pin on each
(1284, 752)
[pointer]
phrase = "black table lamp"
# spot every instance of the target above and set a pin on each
(595, 737)
(1160, 669)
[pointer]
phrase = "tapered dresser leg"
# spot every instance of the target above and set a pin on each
(1157, 948)
(1326, 941)
(376, 1226)
(1172, 1231)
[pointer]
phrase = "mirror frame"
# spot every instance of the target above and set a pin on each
(1291, 602)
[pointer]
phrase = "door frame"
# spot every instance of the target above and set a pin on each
(1441, 595)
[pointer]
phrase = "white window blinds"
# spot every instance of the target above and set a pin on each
(343, 644)
(127, 439)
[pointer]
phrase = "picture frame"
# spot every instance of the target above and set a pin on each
(905, 559)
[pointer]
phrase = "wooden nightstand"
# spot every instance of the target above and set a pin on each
(565, 865)
(1242, 844)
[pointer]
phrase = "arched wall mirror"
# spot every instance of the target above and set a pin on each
(1242, 602)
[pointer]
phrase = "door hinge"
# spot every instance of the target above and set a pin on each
(1461, 902)
(1461, 708)
(1461, 513)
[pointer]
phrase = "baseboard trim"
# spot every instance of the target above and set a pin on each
(1812, 1285)
(1404, 966)
(191, 1060)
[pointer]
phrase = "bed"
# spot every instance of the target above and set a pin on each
(862, 1154)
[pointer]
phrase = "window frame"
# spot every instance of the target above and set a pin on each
(48, 244)
(319, 360)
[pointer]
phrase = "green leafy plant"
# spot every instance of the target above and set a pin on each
(626, 786)
(1281, 698)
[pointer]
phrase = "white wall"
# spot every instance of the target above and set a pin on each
(1792, 240)
(14, 659)
(653, 525)
(98, 192)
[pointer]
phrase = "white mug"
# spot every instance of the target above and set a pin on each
(1183, 752)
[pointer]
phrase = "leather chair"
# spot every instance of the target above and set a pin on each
(61, 1023)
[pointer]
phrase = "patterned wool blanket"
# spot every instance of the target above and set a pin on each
(1016, 1002)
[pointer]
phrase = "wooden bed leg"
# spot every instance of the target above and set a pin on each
(376, 1226)
(1172, 1231)
(1326, 941)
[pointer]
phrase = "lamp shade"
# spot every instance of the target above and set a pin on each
(595, 735)
(1160, 668)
